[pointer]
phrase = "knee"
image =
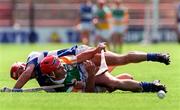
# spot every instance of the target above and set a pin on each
(124, 76)
(128, 76)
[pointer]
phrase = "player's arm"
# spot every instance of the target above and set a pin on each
(89, 54)
(91, 70)
(25, 76)
(90, 84)
(64, 52)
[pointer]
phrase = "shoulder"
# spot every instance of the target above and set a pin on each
(33, 53)
(35, 57)
(32, 56)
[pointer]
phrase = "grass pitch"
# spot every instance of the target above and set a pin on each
(119, 100)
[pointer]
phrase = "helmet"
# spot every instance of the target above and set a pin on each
(49, 64)
(15, 69)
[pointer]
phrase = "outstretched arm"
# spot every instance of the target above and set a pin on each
(25, 76)
(89, 54)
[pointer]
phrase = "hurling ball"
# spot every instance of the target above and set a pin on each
(161, 94)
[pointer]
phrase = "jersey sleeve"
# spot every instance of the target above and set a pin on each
(35, 57)
(65, 52)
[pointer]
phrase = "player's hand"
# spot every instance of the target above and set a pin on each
(90, 68)
(101, 46)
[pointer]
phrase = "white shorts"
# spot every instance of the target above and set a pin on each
(119, 29)
(105, 34)
(86, 26)
(82, 48)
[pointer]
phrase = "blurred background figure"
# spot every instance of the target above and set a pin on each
(120, 18)
(178, 21)
(34, 21)
(55, 38)
(102, 22)
(85, 21)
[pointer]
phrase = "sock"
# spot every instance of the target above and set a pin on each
(152, 57)
(147, 86)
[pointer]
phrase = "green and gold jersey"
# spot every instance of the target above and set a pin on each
(118, 13)
(120, 16)
(73, 71)
(103, 16)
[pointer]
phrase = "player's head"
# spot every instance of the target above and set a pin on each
(49, 64)
(17, 69)
(101, 3)
(85, 1)
(117, 2)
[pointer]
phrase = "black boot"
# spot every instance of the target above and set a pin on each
(163, 58)
(159, 57)
(158, 86)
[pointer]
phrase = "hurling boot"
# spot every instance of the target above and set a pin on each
(159, 57)
(158, 86)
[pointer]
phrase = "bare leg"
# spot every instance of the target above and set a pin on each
(121, 77)
(113, 59)
(109, 81)
(117, 41)
(84, 37)
(124, 76)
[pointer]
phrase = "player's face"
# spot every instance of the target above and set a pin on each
(101, 5)
(117, 3)
(60, 72)
(20, 70)
(59, 69)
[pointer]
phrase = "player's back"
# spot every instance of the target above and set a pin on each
(36, 57)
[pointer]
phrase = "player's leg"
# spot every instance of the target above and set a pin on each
(124, 76)
(117, 41)
(112, 83)
(113, 59)
(84, 35)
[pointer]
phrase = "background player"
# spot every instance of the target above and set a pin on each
(102, 17)
(119, 28)
(85, 19)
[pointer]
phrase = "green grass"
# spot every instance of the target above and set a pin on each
(146, 71)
